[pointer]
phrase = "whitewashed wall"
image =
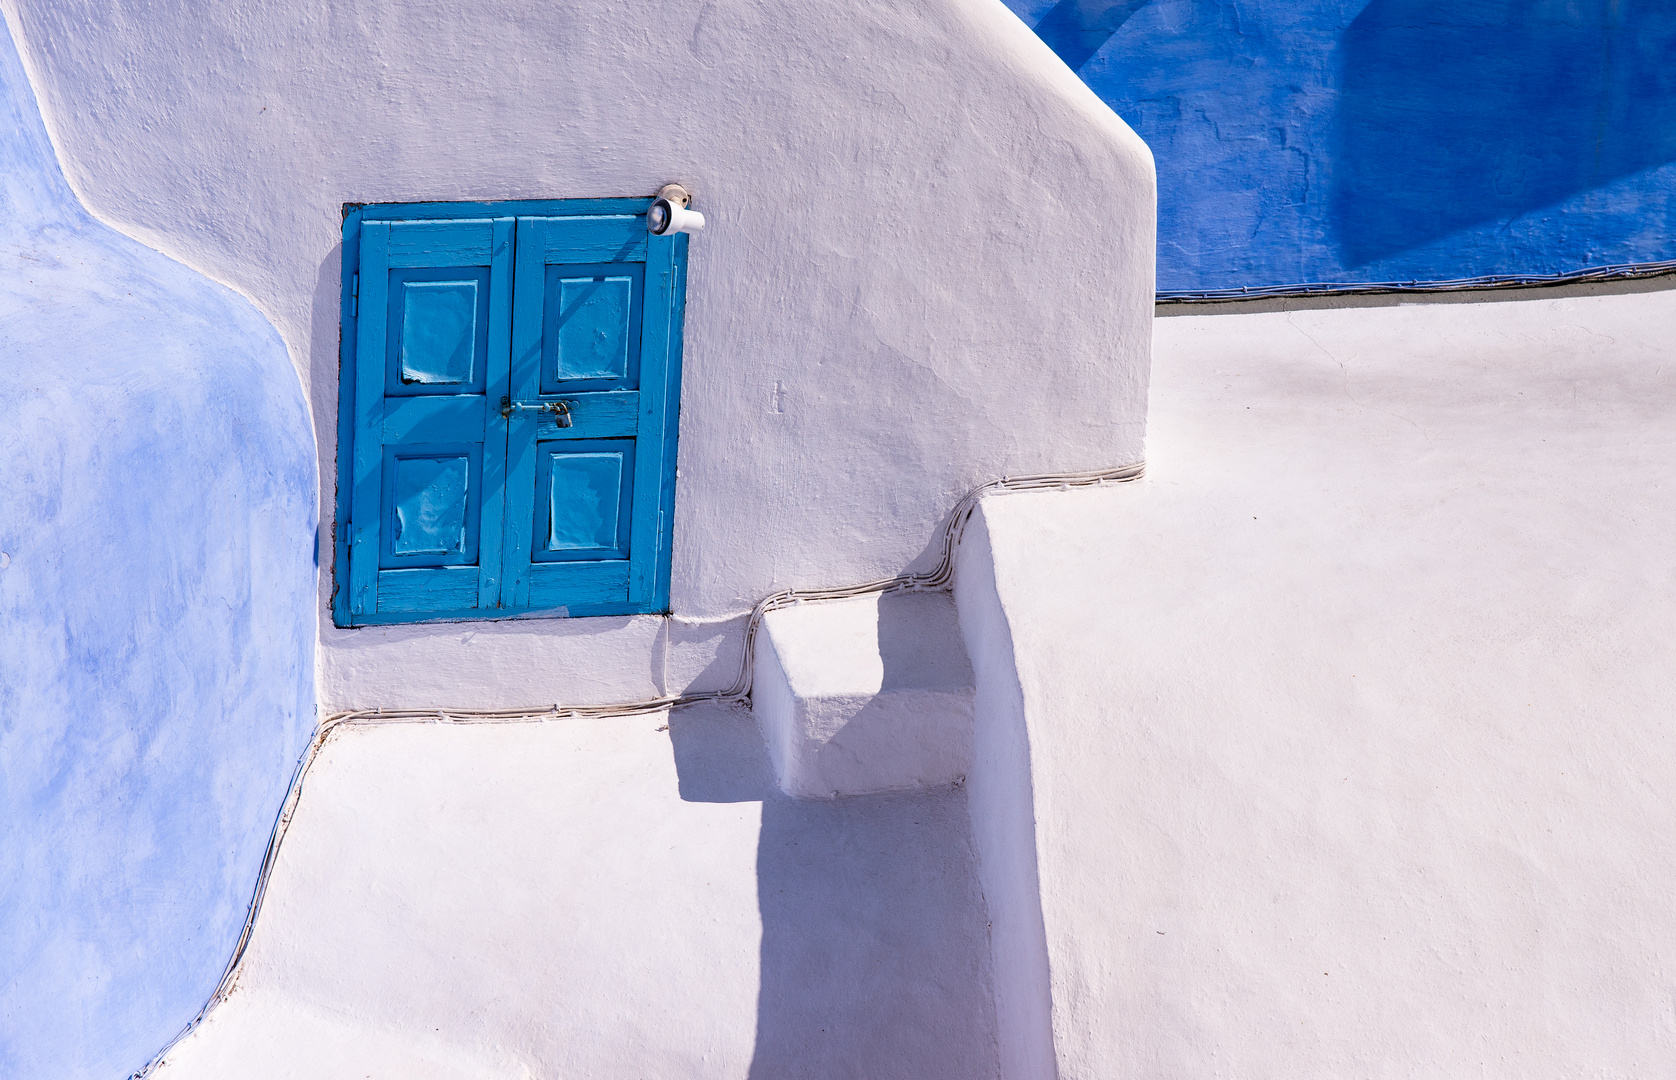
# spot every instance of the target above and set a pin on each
(1348, 729)
(929, 259)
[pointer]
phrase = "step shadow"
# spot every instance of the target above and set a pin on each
(874, 956)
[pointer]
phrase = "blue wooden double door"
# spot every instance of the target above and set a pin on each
(514, 415)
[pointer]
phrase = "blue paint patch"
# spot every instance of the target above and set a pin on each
(1391, 140)
(156, 621)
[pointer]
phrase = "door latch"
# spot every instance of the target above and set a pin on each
(559, 409)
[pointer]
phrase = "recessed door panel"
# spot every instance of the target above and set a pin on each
(591, 327)
(584, 499)
(432, 496)
(439, 331)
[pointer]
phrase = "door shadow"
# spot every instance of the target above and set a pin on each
(875, 954)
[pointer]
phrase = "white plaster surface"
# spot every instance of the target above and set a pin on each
(1000, 799)
(901, 292)
(514, 664)
(522, 662)
(571, 899)
(1349, 728)
(866, 694)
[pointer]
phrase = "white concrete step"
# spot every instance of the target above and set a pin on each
(863, 695)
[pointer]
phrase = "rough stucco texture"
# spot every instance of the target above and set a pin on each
(1391, 140)
(1349, 726)
(156, 621)
(902, 291)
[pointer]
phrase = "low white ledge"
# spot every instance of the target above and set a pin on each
(864, 695)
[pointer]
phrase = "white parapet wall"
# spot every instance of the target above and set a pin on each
(1340, 745)
(928, 263)
(1002, 805)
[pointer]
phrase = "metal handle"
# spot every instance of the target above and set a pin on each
(559, 409)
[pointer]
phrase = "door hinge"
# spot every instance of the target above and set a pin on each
(354, 295)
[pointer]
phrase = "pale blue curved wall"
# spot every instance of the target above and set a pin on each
(157, 505)
(1303, 141)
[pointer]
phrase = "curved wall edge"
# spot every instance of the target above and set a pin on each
(156, 620)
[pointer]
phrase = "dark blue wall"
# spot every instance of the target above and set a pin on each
(1392, 140)
(157, 620)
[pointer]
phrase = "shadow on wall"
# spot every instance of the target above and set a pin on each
(875, 957)
(1077, 29)
(1389, 140)
(1467, 111)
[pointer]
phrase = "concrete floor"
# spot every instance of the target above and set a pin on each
(604, 899)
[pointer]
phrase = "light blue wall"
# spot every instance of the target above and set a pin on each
(157, 508)
(1304, 141)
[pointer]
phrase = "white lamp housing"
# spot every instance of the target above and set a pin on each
(669, 214)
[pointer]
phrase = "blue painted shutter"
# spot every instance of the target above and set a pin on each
(592, 327)
(433, 329)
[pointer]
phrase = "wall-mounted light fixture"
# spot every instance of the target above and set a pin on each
(669, 213)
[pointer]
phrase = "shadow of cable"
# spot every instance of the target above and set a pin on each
(875, 955)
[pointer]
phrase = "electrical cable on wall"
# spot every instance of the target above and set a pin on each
(939, 577)
(1618, 272)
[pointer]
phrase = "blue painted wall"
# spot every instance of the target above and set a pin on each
(157, 515)
(1303, 141)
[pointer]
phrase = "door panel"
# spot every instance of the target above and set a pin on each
(613, 238)
(432, 339)
(438, 334)
(577, 496)
(431, 503)
(576, 585)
